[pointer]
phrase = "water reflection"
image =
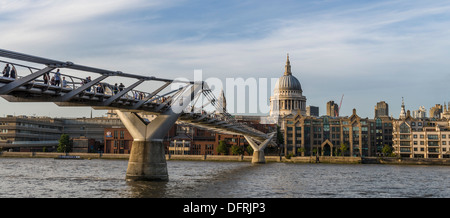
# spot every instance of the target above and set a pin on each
(147, 189)
(40, 177)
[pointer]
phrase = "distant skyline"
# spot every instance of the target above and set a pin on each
(370, 51)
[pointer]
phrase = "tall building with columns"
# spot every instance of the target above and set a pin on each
(288, 95)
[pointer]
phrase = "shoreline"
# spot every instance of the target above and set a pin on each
(240, 158)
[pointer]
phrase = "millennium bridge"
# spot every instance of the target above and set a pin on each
(147, 157)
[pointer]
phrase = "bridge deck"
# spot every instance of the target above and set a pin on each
(82, 92)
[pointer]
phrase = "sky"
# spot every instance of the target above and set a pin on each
(368, 51)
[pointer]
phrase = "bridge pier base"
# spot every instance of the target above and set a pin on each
(258, 157)
(147, 162)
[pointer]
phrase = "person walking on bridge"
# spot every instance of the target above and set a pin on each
(13, 73)
(57, 78)
(6, 71)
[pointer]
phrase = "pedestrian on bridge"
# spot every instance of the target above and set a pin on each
(13, 72)
(115, 89)
(64, 82)
(57, 78)
(88, 79)
(99, 88)
(46, 77)
(6, 71)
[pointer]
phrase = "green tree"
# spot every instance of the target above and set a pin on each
(301, 150)
(222, 148)
(65, 145)
(249, 150)
(387, 150)
(280, 137)
(237, 150)
(343, 148)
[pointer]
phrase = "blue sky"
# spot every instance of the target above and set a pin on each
(367, 50)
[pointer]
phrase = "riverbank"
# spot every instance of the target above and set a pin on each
(353, 160)
(312, 159)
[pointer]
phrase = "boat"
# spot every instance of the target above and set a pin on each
(69, 157)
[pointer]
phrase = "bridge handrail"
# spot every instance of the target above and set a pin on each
(76, 82)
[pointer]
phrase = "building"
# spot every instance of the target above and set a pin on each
(446, 112)
(288, 95)
(402, 110)
(332, 109)
(22, 133)
(421, 138)
(421, 113)
(117, 140)
(381, 109)
(324, 135)
(312, 111)
(85, 145)
(382, 134)
(436, 111)
(39, 134)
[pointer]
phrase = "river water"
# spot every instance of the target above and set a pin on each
(99, 178)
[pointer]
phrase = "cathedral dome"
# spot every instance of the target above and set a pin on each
(288, 81)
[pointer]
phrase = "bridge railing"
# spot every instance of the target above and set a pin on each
(73, 82)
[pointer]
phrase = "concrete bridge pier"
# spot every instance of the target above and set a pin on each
(147, 158)
(258, 150)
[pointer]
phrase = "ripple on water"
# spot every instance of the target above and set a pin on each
(40, 177)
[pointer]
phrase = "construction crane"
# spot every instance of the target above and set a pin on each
(336, 112)
(340, 104)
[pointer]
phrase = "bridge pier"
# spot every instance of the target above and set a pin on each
(147, 161)
(147, 157)
(258, 150)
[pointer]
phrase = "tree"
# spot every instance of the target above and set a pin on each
(387, 150)
(222, 148)
(343, 148)
(280, 137)
(65, 145)
(249, 149)
(237, 150)
(301, 150)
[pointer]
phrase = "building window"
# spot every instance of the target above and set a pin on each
(404, 128)
(122, 134)
(433, 137)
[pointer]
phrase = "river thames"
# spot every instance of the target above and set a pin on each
(100, 178)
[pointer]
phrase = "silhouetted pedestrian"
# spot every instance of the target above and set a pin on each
(115, 89)
(57, 78)
(13, 72)
(6, 71)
